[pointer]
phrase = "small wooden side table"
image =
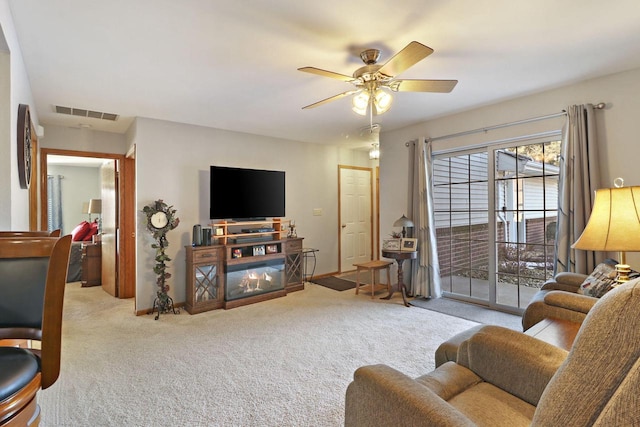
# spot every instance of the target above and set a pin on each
(91, 264)
(374, 267)
(558, 332)
(400, 256)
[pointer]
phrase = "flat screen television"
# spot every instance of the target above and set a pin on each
(245, 194)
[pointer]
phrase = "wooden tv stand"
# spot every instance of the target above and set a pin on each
(207, 265)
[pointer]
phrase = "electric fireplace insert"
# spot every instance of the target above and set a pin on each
(254, 278)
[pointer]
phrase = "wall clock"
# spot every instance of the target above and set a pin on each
(24, 146)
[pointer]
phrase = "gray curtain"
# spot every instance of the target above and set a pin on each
(579, 179)
(54, 203)
(425, 274)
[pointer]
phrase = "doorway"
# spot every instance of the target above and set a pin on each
(355, 216)
(118, 267)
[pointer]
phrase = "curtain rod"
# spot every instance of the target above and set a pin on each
(598, 106)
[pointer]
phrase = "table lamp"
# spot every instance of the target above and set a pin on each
(403, 222)
(85, 209)
(614, 226)
(95, 207)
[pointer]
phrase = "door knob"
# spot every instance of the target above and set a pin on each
(344, 225)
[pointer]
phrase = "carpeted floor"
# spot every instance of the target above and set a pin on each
(283, 362)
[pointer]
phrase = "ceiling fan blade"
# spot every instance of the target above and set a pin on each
(332, 98)
(443, 86)
(326, 73)
(407, 57)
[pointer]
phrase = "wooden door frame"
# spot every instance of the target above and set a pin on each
(370, 170)
(126, 200)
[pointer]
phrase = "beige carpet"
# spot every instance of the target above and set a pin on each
(284, 362)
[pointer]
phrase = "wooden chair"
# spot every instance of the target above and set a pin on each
(33, 272)
(54, 233)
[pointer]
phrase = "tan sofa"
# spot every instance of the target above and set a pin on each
(506, 378)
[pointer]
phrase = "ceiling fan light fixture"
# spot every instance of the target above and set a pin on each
(374, 152)
(360, 102)
(382, 101)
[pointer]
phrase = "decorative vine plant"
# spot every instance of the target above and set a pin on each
(161, 218)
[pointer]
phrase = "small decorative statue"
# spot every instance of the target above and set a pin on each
(292, 230)
(160, 219)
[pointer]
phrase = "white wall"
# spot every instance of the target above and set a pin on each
(14, 201)
(172, 163)
(616, 126)
(83, 139)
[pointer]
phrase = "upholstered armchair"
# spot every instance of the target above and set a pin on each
(506, 378)
(558, 298)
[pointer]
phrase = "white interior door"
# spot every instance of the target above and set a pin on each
(355, 216)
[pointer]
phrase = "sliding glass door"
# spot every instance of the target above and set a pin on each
(495, 217)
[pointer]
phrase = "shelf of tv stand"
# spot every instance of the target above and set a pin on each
(277, 224)
(253, 258)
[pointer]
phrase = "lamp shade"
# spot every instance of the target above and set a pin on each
(95, 206)
(614, 224)
(85, 207)
(403, 221)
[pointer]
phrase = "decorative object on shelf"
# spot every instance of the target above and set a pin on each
(614, 225)
(196, 235)
(160, 219)
(407, 244)
(272, 249)
(258, 250)
(24, 146)
(237, 253)
(403, 222)
(391, 244)
(292, 230)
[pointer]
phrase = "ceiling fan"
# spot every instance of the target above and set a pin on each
(374, 83)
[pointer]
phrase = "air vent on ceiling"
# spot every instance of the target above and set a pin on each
(80, 112)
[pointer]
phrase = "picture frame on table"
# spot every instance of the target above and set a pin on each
(391, 244)
(272, 249)
(408, 245)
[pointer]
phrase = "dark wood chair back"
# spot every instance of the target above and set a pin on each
(33, 273)
(54, 233)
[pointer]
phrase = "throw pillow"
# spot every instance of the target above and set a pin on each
(93, 230)
(80, 232)
(602, 279)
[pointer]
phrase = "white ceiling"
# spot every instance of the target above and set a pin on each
(233, 64)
